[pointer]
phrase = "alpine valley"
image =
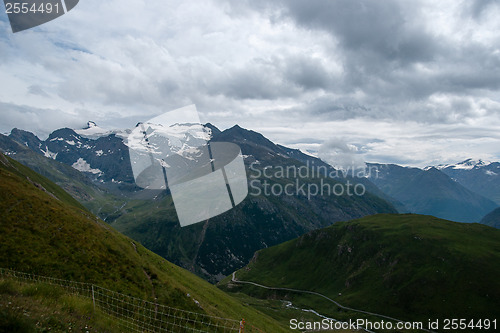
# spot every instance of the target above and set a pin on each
(93, 165)
(408, 247)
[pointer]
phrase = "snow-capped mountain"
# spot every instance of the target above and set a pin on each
(105, 159)
(468, 164)
(431, 192)
(477, 175)
(93, 131)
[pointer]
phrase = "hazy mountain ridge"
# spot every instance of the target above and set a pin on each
(478, 176)
(492, 219)
(430, 191)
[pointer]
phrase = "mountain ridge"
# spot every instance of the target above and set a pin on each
(431, 192)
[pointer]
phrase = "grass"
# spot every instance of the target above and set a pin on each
(411, 267)
(47, 234)
(46, 308)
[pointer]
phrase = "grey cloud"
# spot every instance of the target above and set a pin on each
(340, 154)
(261, 64)
(272, 78)
(308, 73)
(376, 29)
(37, 90)
(478, 7)
(383, 46)
(41, 121)
(257, 81)
(338, 108)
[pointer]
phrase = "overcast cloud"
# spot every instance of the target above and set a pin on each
(415, 83)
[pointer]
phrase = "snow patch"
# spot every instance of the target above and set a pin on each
(491, 173)
(468, 164)
(99, 153)
(93, 131)
(47, 153)
(83, 166)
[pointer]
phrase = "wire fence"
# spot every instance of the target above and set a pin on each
(138, 315)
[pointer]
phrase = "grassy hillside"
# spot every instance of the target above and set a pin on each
(28, 307)
(45, 231)
(412, 267)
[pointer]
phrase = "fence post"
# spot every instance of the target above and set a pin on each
(93, 298)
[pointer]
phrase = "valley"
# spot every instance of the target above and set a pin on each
(351, 256)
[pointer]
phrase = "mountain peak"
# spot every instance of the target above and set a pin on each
(472, 162)
(92, 130)
(25, 138)
(468, 164)
(90, 124)
(64, 133)
(240, 135)
(432, 169)
(215, 130)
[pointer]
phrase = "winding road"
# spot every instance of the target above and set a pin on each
(233, 279)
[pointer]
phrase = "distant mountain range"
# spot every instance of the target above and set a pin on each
(430, 191)
(478, 176)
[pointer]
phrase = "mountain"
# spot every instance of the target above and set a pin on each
(478, 176)
(43, 230)
(429, 192)
(226, 242)
(411, 267)
(96, 198)
(492, 219)
(90, 156)
(216, 247)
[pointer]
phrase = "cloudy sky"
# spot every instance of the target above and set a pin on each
(415, 83)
